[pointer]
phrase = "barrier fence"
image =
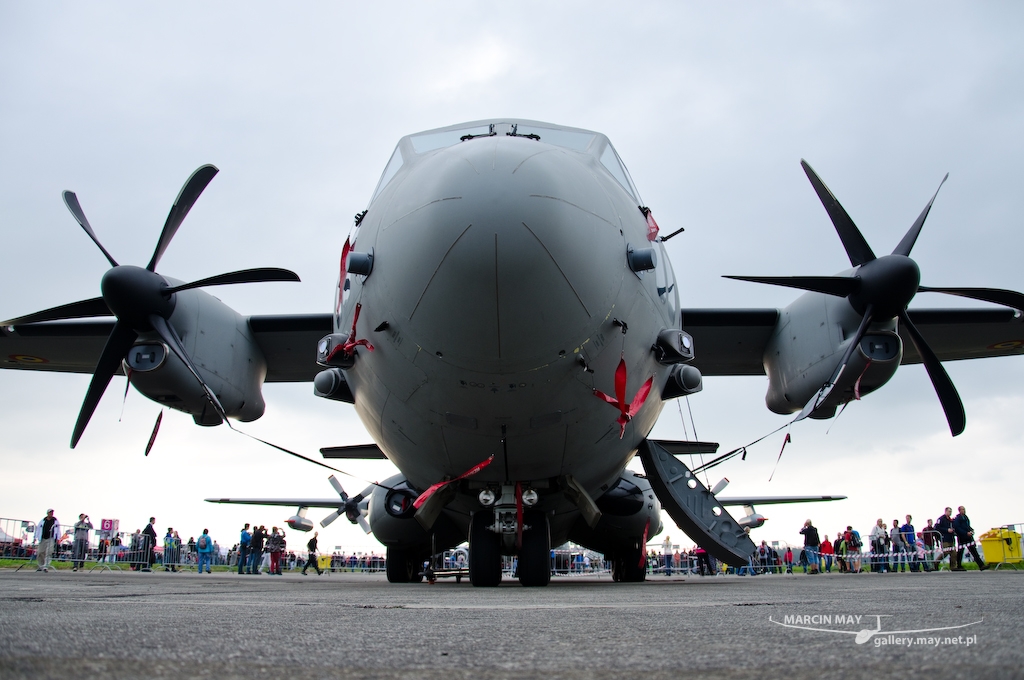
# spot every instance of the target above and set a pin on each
(107, 548)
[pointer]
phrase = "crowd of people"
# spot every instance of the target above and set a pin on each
(889, 549)
(898, 547)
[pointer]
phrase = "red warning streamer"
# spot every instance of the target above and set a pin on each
(152, 437)
(434, 488)
(626, 411)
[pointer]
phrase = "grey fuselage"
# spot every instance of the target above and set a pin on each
(499, 277)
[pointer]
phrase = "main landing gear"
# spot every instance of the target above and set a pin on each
(492, 532)
(403, 566)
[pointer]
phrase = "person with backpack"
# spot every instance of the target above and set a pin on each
(204, 548)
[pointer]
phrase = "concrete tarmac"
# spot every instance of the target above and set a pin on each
(165, 625)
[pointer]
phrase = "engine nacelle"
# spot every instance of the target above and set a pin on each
(221, 346)
(299, 522)
(807, 345)
(754, 520)
(393, 522)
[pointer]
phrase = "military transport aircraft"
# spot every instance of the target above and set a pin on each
(507, 326)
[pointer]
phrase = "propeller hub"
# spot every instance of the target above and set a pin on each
(133, 294)
(888, 283)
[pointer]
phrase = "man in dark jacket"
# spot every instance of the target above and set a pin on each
(965, 536)
(944, 526)
(149, 545)
(811, 544)
(259, 535)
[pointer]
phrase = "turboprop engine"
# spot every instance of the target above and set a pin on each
(803, 352)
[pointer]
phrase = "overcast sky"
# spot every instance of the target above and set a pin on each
(710, 106)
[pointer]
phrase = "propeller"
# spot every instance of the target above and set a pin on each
(142, 300)
(879, 289)
(349, 507)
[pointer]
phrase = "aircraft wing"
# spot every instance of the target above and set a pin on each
(728, 341)
(776, 500)
(732, 341)
(288, 343)
(293, 502)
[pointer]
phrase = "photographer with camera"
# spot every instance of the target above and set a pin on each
(81, 546)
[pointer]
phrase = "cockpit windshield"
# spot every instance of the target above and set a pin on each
(580, 141)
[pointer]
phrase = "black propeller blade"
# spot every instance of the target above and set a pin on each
(880, 289)
(948, 396)
(856, 247)
(182, 204)
(71, 201)
(74, 310)
(260, 275)
(142, 300)
(118, 344)
(840, 286)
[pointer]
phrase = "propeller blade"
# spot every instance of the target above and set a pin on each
(331, 517)
(840, 286)
(856, 247)
(170, 337)
(337, 487)
(186, 199)
(73, 310)
(71, 201)
(118, 344)
(827, 388)
(1008, 298)
(948, 396)
(260, 275)
(363, 524)
(910, 237)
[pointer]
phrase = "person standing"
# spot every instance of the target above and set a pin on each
(826, 554)
(244, 542)
(944, 526)
(149, 545)
(274, 548)
(879, 554)
(204, 549)
(311, 546)
(910, 541)
(259, 536)
(965, 537)
(932, 540)
(81, 546)
(170, 558)
(899, 547)
(811, 543)
(666, 553)
(47, 531)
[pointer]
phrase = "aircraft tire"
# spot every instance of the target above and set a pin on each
(484, 552)
(626, 567)
(535, 554)
(402, 566)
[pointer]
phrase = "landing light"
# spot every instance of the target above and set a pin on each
(530, 498)
(487, 497)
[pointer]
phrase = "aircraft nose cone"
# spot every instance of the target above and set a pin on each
(500, 252)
